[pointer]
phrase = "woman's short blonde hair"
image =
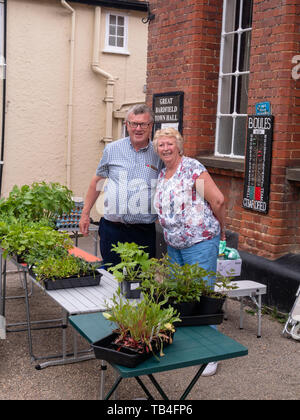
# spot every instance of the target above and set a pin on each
(169, 132)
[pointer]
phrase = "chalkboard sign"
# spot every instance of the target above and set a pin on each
(168, 110)
(258, 163)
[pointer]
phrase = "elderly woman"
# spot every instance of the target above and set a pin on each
(189, 205)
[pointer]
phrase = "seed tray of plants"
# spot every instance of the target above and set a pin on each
(106, 349)
(70, 282)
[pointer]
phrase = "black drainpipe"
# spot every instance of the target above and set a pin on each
(4, 94)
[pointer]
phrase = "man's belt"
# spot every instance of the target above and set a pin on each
(142, 226)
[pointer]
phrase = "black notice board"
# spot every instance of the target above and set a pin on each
(258, 163)
(168, 110)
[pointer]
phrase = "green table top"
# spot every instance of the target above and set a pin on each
(194, 345)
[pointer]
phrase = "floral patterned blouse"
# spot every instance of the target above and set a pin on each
(185, 216)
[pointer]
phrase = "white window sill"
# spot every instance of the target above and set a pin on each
(222, 163)
(112, 51)
(293, 174)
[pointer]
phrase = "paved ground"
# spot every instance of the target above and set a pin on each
(269, 372)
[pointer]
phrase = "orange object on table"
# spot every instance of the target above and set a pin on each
(77, 252)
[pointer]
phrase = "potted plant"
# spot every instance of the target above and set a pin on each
(130, 272)
(211, 301)
(140, 330)
(64, 272)
(187, 289)
(178, 284)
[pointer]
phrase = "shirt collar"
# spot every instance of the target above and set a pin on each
(143, 149)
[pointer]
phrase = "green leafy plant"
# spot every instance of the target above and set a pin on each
(134, 263)
(223, 282)
(140, 326)
(53, 268)
(5, 222)
(185, 283)
(46, 242)
(37, 201)
(32, 241)
(180, 283)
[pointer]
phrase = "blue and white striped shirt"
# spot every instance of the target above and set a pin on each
(132, 177)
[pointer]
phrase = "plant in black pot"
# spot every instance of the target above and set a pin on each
(211, 301)
(187, 289)
(179, 285)
(139, 331)
(135, 263)
(184, 289)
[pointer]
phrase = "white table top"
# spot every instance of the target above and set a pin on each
(244, 288)
(82, 300)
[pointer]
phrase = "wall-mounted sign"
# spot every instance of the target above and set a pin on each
(263, 108)
(258, 163)
(168, 110)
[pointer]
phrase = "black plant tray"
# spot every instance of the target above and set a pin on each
(71, 282)
(104, 349)
(213, 319)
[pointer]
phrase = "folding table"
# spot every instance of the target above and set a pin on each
(72, 301)
(192, 346)
(80, 300)
(246, 288)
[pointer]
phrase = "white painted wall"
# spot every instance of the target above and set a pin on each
(38, 54)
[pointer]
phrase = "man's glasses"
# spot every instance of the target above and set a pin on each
(134, 124)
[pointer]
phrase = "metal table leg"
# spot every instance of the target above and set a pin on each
(66, 358)
(241, 313)
(258, 305)
(29, 336)
(154, 382)
(113, 388)
(259, 317)
(102, 379)
(193, 382)
(188, 389)
(139, 381)
(157, 386)
(3, 278)
(1, 288)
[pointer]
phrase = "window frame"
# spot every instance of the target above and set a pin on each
(225, 95)
(115, 49)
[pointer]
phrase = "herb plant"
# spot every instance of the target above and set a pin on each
(180, 283)
(134, 263)
(37, 201)
(53, 268)
(218, 280)
(185, 283)
(32, 241)
(140, 326)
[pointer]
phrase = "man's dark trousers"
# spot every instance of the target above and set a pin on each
(112, 233)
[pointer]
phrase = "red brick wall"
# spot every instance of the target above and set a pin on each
(183, 54)
(275, 40)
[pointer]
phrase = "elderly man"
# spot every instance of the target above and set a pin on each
(130, 168)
